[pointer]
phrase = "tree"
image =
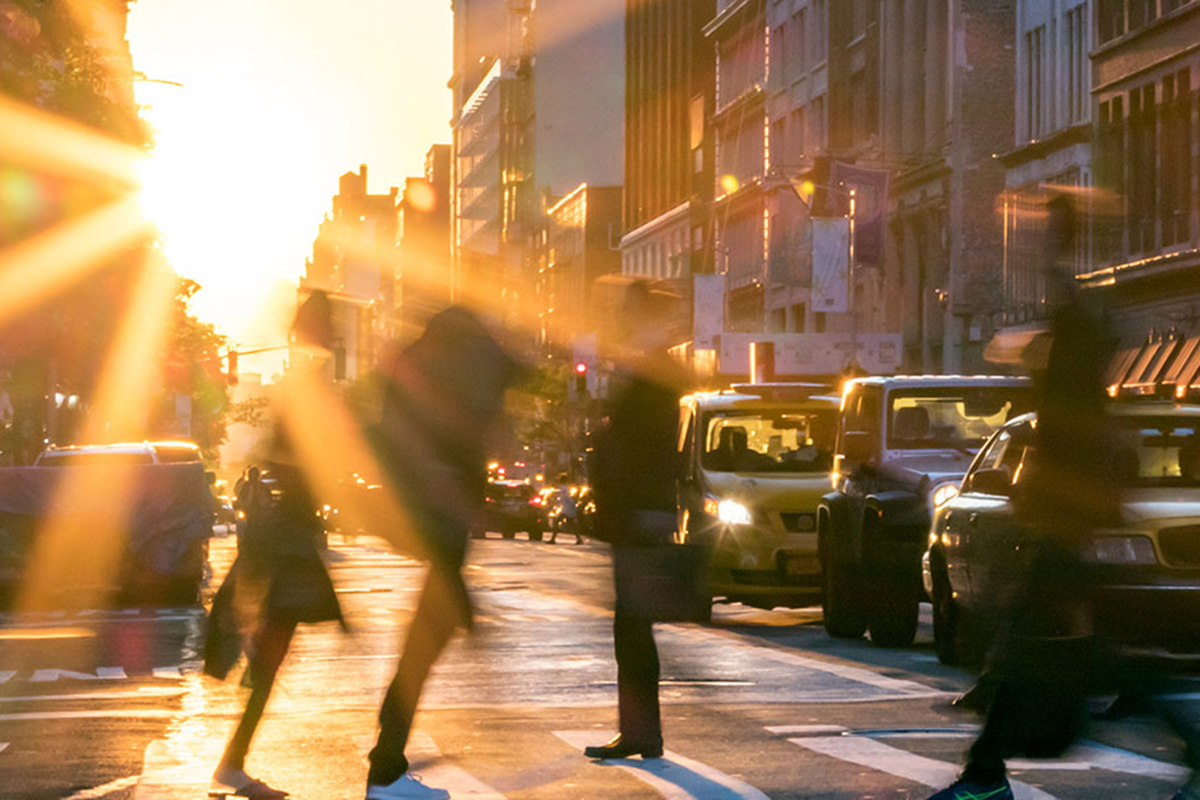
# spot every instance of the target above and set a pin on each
(193, 369)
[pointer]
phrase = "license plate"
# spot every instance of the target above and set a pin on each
(800, 565)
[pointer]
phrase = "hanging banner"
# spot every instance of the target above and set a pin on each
(830, 263)
(870, 196)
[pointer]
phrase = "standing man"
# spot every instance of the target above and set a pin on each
(634, 468)
(443, 395)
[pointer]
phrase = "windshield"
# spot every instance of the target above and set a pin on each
(1159, 451)
(953, 417)
(769, 441)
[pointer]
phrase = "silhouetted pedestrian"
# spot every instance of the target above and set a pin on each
(633, 473)
(277, 582)
(443, 395)
(1047, 656)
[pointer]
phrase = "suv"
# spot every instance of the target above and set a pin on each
(903, 444)
(756, 460)
(133, 453)
(511, 506)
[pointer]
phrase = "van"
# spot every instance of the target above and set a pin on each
(756, 461)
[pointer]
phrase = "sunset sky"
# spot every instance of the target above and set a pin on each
(278, 99)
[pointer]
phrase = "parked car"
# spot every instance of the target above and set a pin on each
(756, 460)
(1149, 569)
(511, 506)
(903, 444)
(166, 452)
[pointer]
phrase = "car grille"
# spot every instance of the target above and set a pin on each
(1181, 546)
(797, 522)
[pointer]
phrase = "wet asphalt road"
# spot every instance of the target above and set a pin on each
(109, 704)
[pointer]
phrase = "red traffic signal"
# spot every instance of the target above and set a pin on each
(581, 368)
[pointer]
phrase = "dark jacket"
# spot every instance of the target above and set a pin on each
(636, 462)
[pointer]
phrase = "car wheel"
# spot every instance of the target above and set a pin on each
(843, 605)
(945, 618)
(894, 612)
(537, 536)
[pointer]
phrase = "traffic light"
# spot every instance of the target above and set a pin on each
(581, 369)
(231, 367)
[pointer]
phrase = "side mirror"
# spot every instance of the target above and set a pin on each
(995, 481)
(858, 447)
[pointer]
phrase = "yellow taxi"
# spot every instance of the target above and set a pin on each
(756, 461)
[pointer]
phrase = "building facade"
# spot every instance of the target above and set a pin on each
(1052, 144)
(578, 246)
(668, 156)
(424, 211)
(354, 261)
(1145, 73)
(532, 80)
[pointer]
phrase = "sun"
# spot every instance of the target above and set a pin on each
(217, 186)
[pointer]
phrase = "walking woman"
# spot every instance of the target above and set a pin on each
(277, 582)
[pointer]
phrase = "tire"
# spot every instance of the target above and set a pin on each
(945, 618)
(842, 601)
(895, 611)
(537, 536)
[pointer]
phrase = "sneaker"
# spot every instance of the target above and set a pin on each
(970, 790)
(1187, 792)
(407, 787)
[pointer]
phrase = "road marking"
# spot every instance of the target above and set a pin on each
(7, 675)
(128, 713)
(3, 746)
(1116, 760)
(105, 789)
(145, 691)
(876, 755)
(673, 776)
(102, 674)
(441, 774)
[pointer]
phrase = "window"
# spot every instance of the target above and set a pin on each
(1176, 157)
(1110, 22)
(818, 33)
(797, 53)
(778, 56)
(1142, 13)
(953, 417)
(1034, 75)
(770, 441)
(1143, 168)
(1077, 66)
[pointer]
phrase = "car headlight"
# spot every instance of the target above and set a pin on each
(730, 512)
(943, 493)
(1123, 550)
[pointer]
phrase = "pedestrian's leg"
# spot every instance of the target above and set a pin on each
(439, 612)
(269, 652)
(637, 681)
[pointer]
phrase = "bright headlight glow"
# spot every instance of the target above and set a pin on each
(733, 513)
(944, 494)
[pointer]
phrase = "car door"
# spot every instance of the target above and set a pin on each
(952, 526)
(993, 539)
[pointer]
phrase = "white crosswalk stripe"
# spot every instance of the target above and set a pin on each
(863, 747)
(673, 776)
(442, 774)
(903, 764)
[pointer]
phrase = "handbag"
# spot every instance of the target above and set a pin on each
(663, 582)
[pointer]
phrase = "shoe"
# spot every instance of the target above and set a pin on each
(619, 748)
(407, 787)
(970, 790)
(254, 790)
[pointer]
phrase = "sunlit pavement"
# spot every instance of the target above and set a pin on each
(758, 704)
